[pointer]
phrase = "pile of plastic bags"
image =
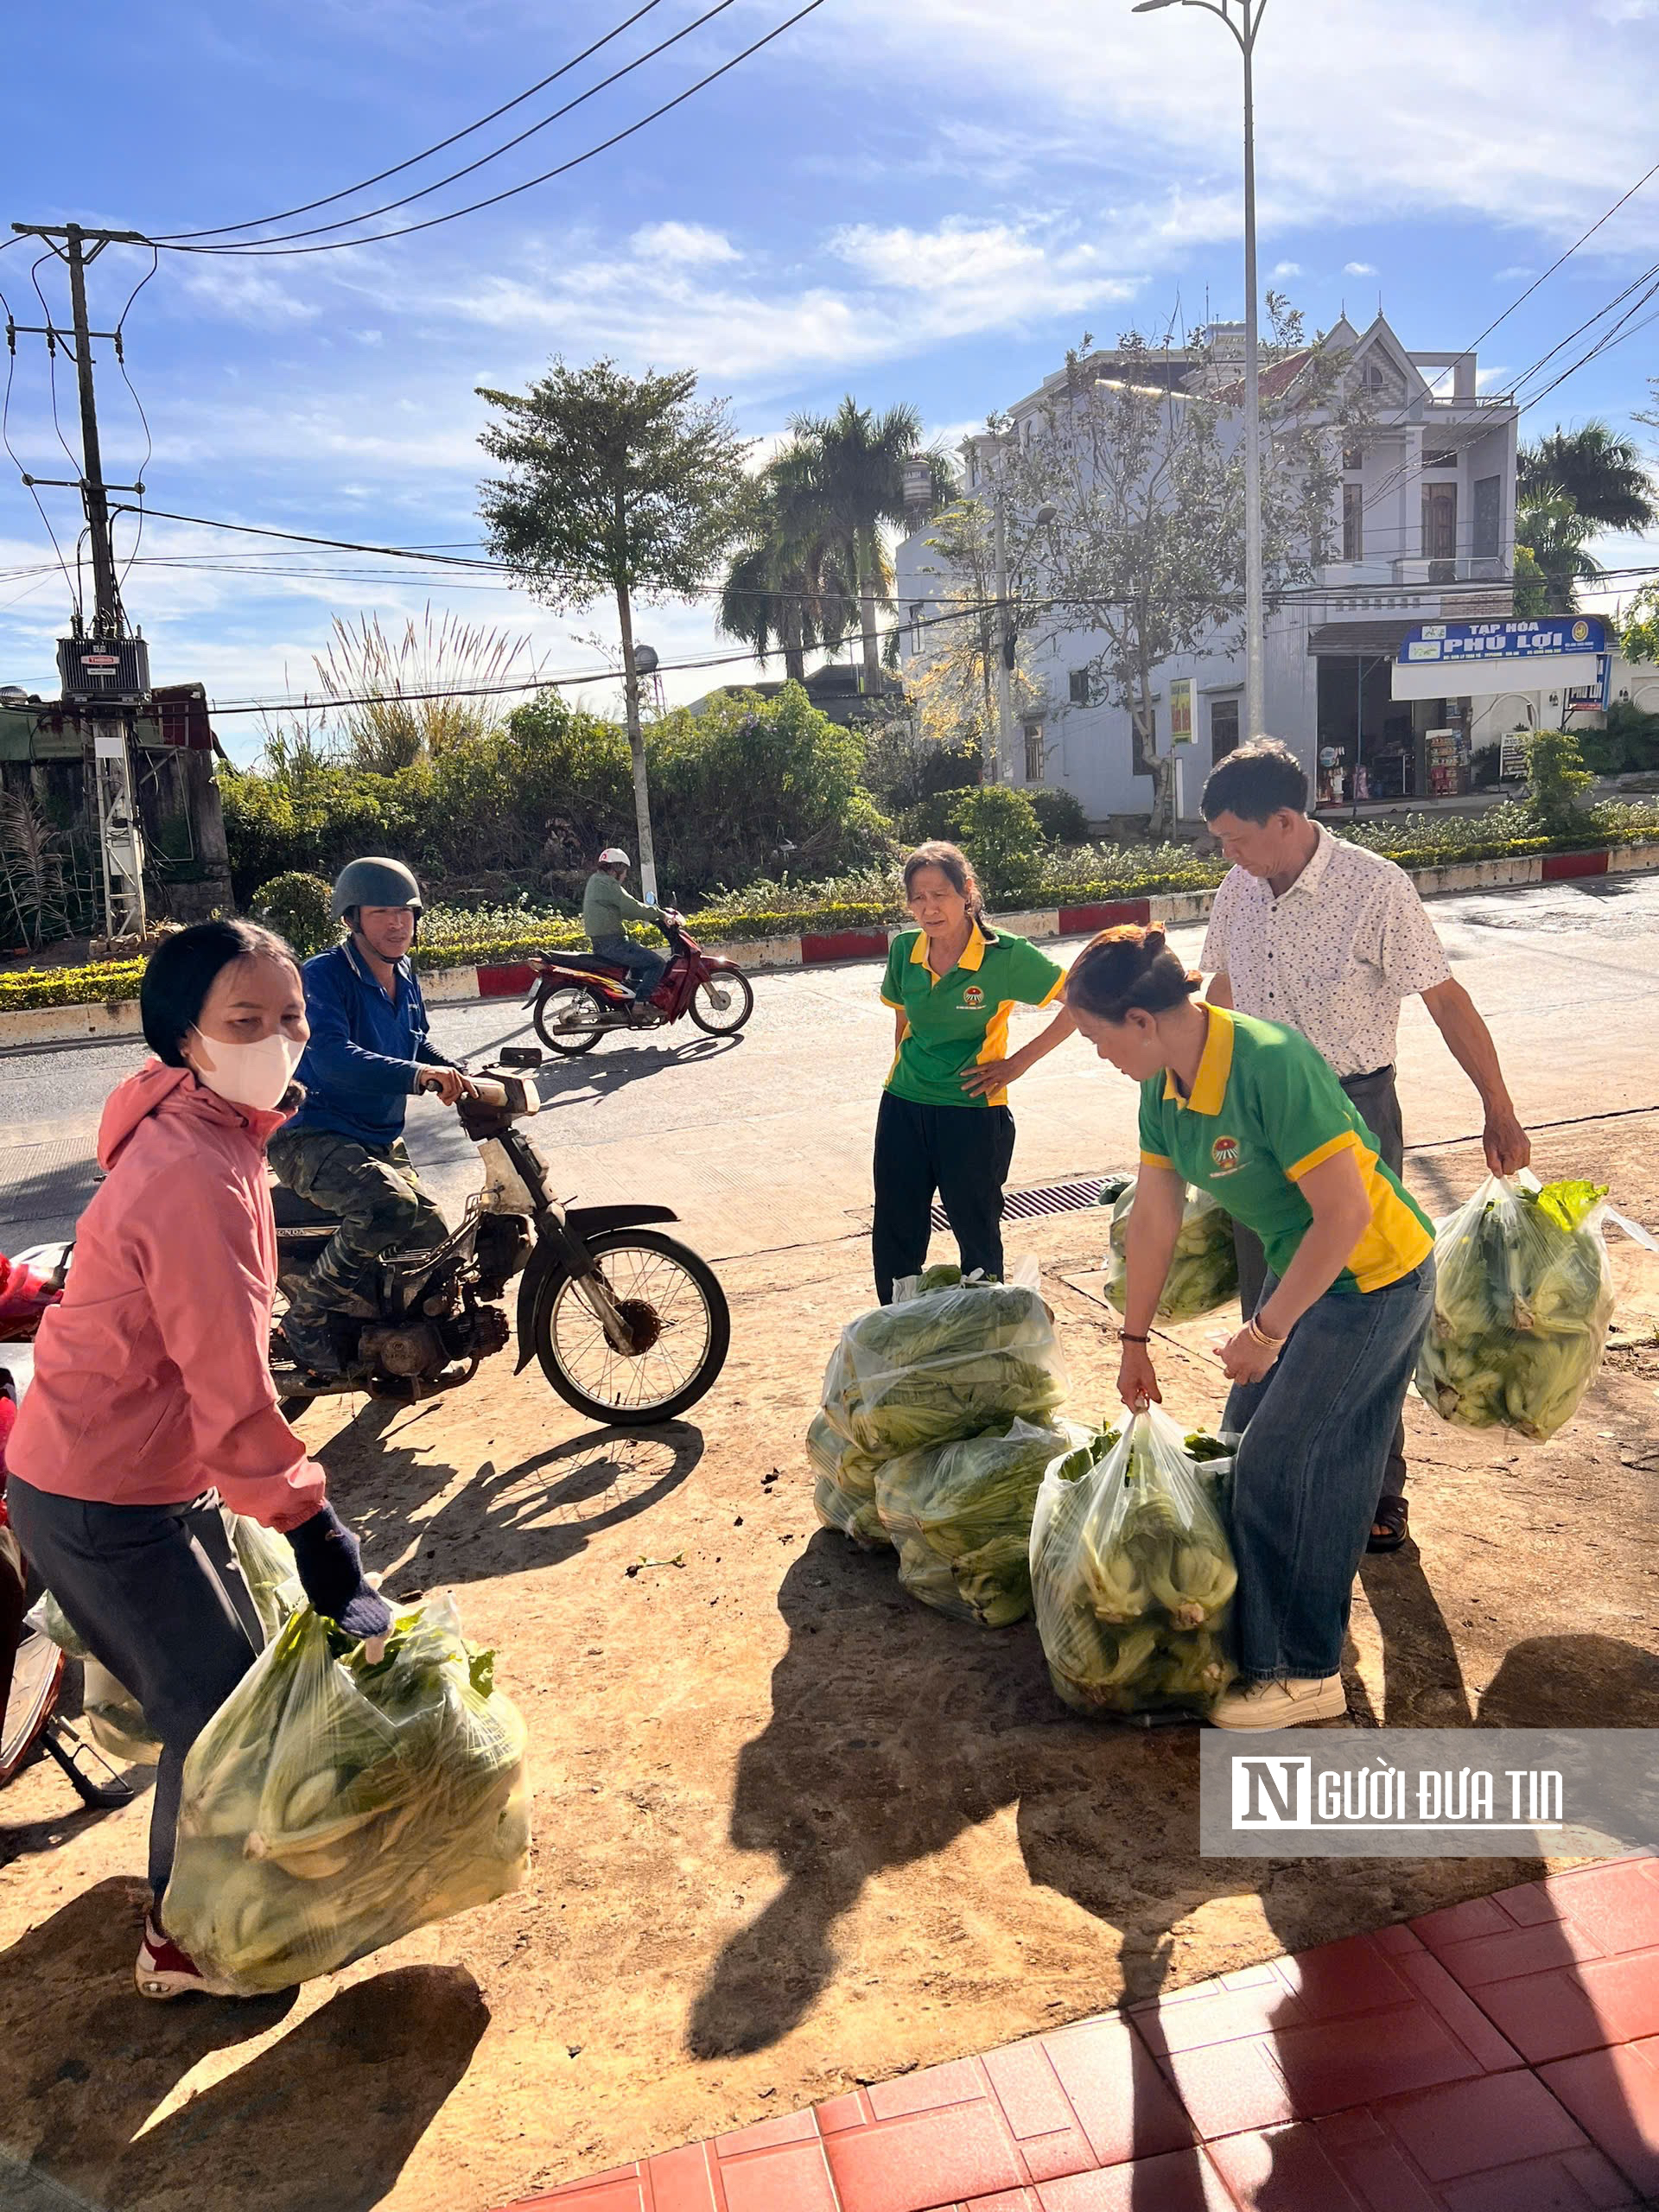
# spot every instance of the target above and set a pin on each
(1203, 1274)
(334, 1803)
(938, 1422)
(114, 1717)
(1132, 1573)
(1523, 1298)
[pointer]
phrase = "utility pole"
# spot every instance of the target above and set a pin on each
(110, 648)
(1004, 757)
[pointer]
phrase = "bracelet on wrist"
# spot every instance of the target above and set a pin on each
(1124, 1337)
(1257, 1334)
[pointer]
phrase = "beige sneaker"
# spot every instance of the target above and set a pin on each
(1281, 1704)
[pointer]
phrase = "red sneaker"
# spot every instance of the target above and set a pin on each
(163, 1970)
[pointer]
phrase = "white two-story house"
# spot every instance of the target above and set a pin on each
(1424, 532)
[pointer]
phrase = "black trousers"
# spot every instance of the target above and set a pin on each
(1379, 1108)
(961, 1152)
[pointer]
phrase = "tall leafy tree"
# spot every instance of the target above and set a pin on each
(785, 587)
(1600, 472)
(856, 460)
(1552, 552)
(629, 486)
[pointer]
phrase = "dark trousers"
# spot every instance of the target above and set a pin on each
(1378, 1103)
(378, 1197)
(961, 1152)
(155, 1594)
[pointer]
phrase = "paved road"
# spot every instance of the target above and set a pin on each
(763, 1142)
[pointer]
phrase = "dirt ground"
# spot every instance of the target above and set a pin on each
(792, 1830)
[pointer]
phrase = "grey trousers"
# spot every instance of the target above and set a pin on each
(1379, 1108)
(155, 1593)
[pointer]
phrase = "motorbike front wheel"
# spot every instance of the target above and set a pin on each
(559, 1019)
(721, 1003)
(675, 1310)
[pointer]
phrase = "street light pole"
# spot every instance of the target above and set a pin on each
(1244, 33)
(1004, 636)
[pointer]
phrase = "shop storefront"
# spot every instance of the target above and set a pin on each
(1373, 745)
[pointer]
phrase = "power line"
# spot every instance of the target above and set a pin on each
(367, 183)
(256, 250)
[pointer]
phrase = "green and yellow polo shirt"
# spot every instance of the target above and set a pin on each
(959, 1021)
(1265, 1109)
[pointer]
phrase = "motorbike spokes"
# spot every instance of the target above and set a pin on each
(662, 1331)
(721, 1004)
(566, 1020)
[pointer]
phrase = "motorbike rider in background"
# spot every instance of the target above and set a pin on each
(605, 906)
(369, 1054)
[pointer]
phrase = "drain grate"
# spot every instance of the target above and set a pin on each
(1032, 1205)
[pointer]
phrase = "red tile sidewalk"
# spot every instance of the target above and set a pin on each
(1499, 2057)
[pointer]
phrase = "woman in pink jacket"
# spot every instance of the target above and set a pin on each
(152, 1397)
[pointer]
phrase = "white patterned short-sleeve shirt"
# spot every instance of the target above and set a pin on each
(1334, 957)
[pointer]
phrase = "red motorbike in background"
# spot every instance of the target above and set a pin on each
(579, 997)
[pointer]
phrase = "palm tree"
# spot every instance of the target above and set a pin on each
(1554, 538)
(1599, 471)
(785, 585)
(854, 460)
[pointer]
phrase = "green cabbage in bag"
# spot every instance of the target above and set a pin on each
(960, 1515)
(331, 1805)
(1132, 1574)
(942, 1365)
(1203, 1274)
(1522, 1300)
(843, 1489)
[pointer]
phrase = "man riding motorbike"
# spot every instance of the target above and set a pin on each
(368, 1054)
(605, 908)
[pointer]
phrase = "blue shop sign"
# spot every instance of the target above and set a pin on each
(1550, 638)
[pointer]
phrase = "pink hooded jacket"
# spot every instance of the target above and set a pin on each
(151, 1379)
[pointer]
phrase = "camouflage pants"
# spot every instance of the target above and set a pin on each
(377, 1195)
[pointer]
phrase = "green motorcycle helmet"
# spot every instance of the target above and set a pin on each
(374, 882)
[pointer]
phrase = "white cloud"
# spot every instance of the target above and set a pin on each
(245, 295)
(1288, 268)
(1359, 268)
(1516, 275)
(691, 244)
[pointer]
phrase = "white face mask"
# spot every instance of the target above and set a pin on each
(249, 1075)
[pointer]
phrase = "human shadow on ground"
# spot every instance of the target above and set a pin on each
(855, 1772)
(539, 1512)
(322, 2120)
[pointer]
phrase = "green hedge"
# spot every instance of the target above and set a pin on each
(105, 984)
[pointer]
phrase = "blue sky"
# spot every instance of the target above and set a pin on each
(924, 203)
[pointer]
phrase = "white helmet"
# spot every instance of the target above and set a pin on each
(613, 856)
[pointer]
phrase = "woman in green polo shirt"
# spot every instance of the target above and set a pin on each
(1252, 1113)
(944, 1124)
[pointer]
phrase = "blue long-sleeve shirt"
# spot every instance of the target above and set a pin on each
(366, 1051)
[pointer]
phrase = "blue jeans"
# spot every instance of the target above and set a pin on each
(1317, 1431)
(645, 968)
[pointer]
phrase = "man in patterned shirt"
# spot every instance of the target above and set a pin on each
(1326, 937)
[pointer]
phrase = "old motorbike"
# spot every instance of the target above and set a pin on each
(579, 997)
(627, 1324)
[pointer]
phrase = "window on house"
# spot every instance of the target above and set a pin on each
(1439, 522)
(1488, 518)
(1353, 457)
(1143, 744)
(1036, 753)
(1224, 728)
(916, 626)
(1444, 458)
(1353, 522)
(1081, 692)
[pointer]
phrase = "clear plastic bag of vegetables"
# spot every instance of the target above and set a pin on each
(1522, 1300)
(843, 1486)
(332, 1805)
(1203, 1274)
(960, 1516)
(1132, 1574)
(943, 1364)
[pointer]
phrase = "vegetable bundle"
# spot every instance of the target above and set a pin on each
(960, 1515)
(332, 1805)
(1203, 1274)
(113, 1714)
(946, 1364)
(1523, 1297)
(1132, 1574)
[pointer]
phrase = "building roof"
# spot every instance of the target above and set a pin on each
(1272, 384)
(1361, 637)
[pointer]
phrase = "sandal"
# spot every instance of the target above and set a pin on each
(1390, 1517)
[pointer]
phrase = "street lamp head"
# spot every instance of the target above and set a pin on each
(1151, 7)
(1046, 513)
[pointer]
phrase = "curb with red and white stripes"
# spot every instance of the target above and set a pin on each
(63, 1025)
